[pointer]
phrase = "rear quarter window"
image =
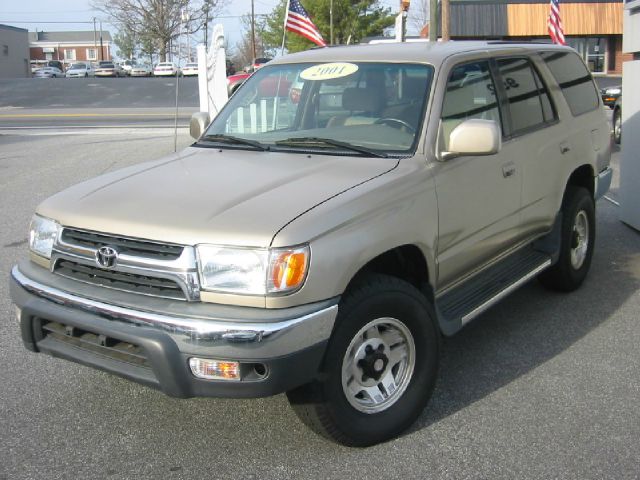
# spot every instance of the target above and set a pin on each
(574, 80)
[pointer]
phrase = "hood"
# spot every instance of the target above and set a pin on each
(207, 195)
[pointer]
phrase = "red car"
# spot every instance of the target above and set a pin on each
(234, 81)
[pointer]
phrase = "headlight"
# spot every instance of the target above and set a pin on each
(613, 91)
(42, 233)
(252, 271)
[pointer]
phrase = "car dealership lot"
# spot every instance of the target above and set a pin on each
(542, 385)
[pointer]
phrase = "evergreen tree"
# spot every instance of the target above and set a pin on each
(353, 20)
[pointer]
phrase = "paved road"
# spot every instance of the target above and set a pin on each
(543, 385)
(97, 93)
(72, 118)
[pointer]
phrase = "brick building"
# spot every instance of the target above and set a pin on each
(70, 47)
(592, 27)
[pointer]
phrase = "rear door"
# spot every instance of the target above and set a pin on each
(531, 124)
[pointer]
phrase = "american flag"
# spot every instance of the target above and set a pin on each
(298, 21)
(554, 24)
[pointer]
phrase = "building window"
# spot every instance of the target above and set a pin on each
(69, 54)
(92, 54)
(5, 50)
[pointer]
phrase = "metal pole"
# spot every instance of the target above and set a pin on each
(331, 21)
(433, 20)
(446, 20)
(175, 125)
(284, 27)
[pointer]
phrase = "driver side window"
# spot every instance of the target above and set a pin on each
(470, 94)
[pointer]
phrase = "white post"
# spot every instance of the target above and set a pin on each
(212, 74)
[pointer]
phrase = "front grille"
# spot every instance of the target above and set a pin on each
(97, 344)
(128, 282)
(129, 246)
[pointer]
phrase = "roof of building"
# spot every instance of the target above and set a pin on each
(69, 37)
(9, 27)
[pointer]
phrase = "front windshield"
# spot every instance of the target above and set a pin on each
(376, 107)
(78, 66)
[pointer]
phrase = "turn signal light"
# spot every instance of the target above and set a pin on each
(289, 270)
(214, 369)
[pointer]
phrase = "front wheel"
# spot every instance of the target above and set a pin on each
(578, 237)
(380, 365)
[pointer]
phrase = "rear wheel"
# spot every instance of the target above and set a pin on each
(379, 369)
(577, 241)
(617, 126)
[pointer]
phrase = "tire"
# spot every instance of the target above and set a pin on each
(395, 314)
(578, 234)
(617, 126)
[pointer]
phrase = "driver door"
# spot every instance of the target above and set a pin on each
(478, 196)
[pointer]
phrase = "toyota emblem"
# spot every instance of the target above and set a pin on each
(106, 257)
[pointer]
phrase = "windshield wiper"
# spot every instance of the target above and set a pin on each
(221, 138)
(320, 142)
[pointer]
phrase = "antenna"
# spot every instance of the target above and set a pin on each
(184, 18)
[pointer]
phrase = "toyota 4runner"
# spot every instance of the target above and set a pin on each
(347, 208)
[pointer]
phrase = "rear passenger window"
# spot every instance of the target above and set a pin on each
(470, 94)
(528, 99)
(574, 80)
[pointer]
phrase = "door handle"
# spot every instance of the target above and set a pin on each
(508, 170)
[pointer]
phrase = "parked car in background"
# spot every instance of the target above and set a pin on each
(38, 64)
(259, 62)
(127, 66)
(80, 70)
(231, 69)
(109, 70)
(48, 72)
(140, 71)
(190, 70)
(234, 81)
(165, 69)
(617, 120)
(610, 95)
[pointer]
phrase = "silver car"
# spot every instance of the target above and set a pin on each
(48, 72)
(80, 70)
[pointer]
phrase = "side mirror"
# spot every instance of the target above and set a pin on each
(198, 124)
(474, 137)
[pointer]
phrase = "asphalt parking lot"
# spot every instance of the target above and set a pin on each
(543, 385)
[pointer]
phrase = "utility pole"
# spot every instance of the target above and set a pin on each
(446, 20)
(101, 47)
(95, 40)
(433, 20)
(253, 30)
(331, 22)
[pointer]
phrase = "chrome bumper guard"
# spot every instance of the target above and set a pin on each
(215, 337)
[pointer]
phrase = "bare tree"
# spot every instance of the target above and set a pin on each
(419, 15)
(244, 48)
(159, 20)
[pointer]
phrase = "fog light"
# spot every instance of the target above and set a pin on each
(214, 369)
(18, 313)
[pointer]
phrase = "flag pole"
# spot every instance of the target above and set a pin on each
(284, 29)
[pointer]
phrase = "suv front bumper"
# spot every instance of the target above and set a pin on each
(153, 347)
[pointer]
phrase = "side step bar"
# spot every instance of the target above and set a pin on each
(459, 306)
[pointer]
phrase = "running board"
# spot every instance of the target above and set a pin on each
(459, 306)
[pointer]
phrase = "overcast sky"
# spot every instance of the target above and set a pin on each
(36, 14)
